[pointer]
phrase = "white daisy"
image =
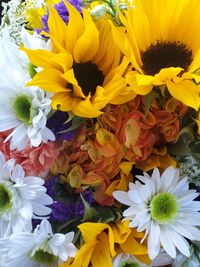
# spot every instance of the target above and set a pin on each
(123, 260)
(21, 198)
(22, 109)
(164, 207)
(40, 248)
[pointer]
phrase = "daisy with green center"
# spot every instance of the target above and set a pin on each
(127, 260)
(22, 198)
(22, 109)
(40, 248)
(164, 207)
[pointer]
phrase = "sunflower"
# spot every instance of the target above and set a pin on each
(85, 68)
(162, 42)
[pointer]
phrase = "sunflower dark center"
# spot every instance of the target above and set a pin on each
(88, 76)
(165, 55)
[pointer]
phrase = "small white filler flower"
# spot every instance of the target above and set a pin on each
(22, 198)
(23, 110)
(164, 207)
(127, 260)
(40, 248)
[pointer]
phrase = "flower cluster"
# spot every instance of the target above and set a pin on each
(100, 133)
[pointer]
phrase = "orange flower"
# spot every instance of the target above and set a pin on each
(92, 159)
(137, 135)
(168, 125)
(158, 158)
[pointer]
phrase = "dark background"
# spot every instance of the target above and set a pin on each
(2, 1)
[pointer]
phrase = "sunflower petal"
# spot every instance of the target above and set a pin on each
(186, 92)
(49, 80)
(87, 45)
(75, 27)
(85, 109)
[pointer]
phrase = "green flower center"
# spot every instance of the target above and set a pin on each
(22, 108)
(163, 207)
(5, 198)
(44, 257)
(129, 263)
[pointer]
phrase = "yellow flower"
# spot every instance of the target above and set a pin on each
(100, 242)
(84, 70)
(34, 18)
(162, 42)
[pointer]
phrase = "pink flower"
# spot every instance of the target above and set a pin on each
(36, 161)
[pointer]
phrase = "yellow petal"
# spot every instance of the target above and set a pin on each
(126, 167)
(49, 80)
(42, 58)
(99, 100)
(90, 231)
(63, 61)
(87, 45)
(75, 27)
(166, 74)
(144, 80)
(121, 231)
(131, 246)
(139, 89)
(101, 255)
(83, 257)
(85, 109)
(119, 184)
(57, 28)
(114, 88)
(186, 92)
(70, 78)
(63, 101)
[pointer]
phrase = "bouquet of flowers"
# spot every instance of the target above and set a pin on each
(100, 133)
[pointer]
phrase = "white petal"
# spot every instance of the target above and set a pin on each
(40, 210)
(26, 211)
(169, 178)
(183, 185)
(123, 197)
(167, 242)
(191, 218)
(153, 249)
(71, 250)
(180, 242)
(135, 196)
(189, 232)
(18, 172)
(155, 233)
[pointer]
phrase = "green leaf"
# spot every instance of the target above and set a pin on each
(189, 130)
(89, 212)
(148, 100)
(76, 123)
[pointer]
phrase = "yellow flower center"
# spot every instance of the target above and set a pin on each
(88, 76)
(165, 55)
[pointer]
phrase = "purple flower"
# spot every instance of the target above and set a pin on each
(68, 210)
(50, 186)
(56, 124)
(62, 11)
(67, 205)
